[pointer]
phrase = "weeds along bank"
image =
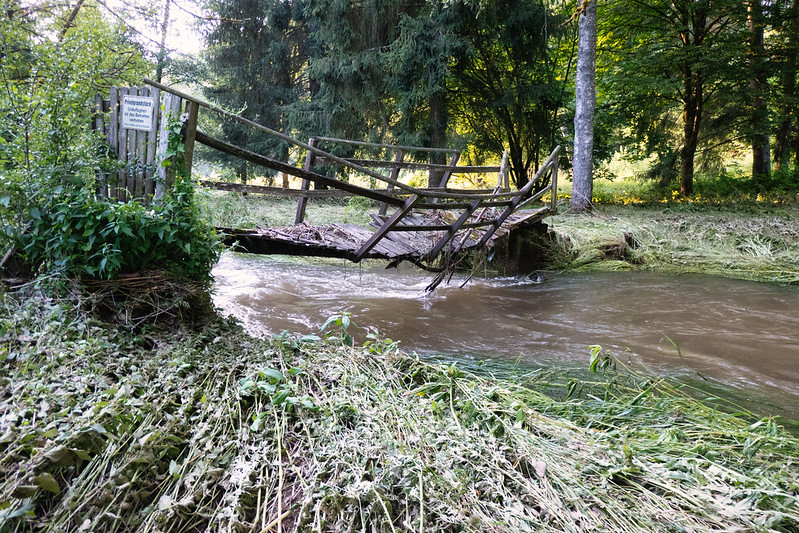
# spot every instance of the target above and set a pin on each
(212, 430)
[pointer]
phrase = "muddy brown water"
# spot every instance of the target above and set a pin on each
(700, 329)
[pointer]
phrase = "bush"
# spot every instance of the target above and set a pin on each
(80, 235)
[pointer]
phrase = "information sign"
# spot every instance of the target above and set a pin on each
(137, 112)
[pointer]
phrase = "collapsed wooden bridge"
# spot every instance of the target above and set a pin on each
(427, 224)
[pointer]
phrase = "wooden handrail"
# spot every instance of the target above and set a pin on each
(315, 150)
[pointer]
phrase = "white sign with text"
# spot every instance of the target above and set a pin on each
(137, 112)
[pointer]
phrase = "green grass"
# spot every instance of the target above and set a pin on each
(234, 210)
(758, 243)
(173, 430)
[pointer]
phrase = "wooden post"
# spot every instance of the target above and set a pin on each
(394, 176)
(448, 174)
(122, 147)
(140, 156)
(99, 125)
(152, 147)
(190, 133)
(310, 158)
(170, 110)
(502, 179)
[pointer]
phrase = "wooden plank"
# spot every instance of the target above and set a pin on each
(310, 158)
(452, 230)
(99, 126)
(152, 147)
(389, 146)
(275, 191)
(122, 144)
(392, 221)
(170, 111)
(259, 159)
(140, 156)
(412, 165)
(394, 175)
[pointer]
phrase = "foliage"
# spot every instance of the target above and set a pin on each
(216, 430)
(48, 206)
(506, 92)
(674, 72)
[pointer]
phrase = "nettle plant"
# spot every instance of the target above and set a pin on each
(78, 234)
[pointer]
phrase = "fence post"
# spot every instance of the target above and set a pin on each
(310, 159)
(170, 110)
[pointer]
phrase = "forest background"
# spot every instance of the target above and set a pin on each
(696, 97)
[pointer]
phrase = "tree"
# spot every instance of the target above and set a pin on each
(505, 89)
(759, 117)
(666, 57)
(585, 102)
(788, 26)
(254, 65)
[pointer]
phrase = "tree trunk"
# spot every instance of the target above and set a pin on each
(692, 114)
(782, 150)
(759, 118)
(159, 69)
(438, 137)
(585, 96)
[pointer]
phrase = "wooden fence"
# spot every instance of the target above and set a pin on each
(133, 121)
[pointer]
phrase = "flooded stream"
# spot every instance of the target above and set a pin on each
(698, 328)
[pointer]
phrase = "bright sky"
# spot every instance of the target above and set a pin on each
(181, 34)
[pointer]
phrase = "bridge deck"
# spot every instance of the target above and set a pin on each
(345, 240)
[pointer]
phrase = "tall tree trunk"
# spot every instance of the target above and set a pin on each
(782, 152)
(585, 96)
(759, 118)
(692, 118)
(159, 69)
(438, 137)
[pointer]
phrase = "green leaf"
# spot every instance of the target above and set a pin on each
(280, 397)
(273, 374)
(47, 482)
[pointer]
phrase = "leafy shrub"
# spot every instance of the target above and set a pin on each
(77, 234)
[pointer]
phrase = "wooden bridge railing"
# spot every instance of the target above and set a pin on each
(396, 165)
(486, 209)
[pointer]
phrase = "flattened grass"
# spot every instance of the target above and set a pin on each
(760, 244)
(218, 431)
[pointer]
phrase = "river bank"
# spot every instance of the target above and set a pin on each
(177, 428)
(752, 242)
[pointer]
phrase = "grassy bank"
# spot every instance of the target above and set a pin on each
(756, 242)
(747, 241)
(212, 430)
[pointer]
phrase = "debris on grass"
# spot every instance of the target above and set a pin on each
(169, 430)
